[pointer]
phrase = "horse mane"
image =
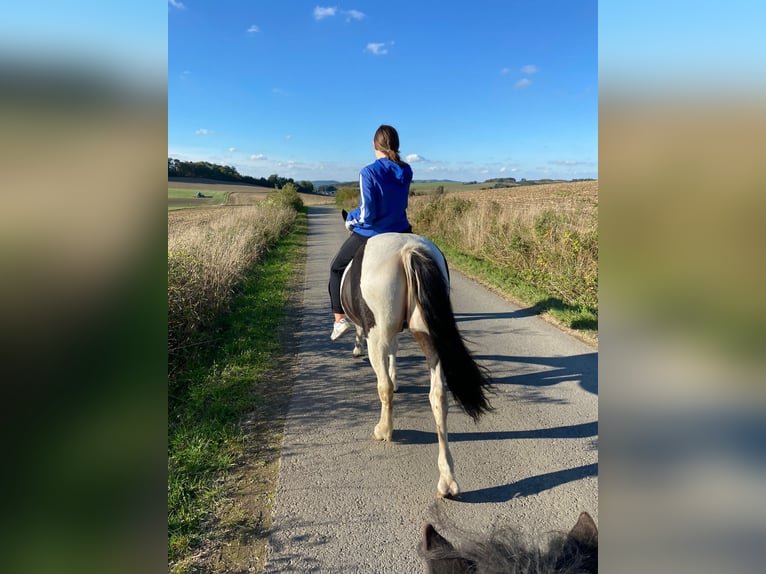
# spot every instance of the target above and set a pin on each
(505, 550)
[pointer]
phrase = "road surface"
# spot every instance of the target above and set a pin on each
(347, 503)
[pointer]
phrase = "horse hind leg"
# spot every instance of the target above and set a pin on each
(378, 351)
(447, 485)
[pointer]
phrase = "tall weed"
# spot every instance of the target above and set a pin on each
(207, 258)
(549, 245)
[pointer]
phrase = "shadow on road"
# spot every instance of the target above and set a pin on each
(583, 430)
(580, 368)
(529, 486)
(519, 314)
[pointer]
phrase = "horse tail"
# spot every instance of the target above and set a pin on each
(467, 381)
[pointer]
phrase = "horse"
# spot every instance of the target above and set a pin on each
(399, 281)
(506, 551)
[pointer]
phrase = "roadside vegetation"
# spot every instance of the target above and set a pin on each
(230, 272)
(535, 244)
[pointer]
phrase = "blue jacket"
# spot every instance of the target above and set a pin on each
(384, 191)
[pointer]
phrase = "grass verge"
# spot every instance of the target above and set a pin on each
(223, 400)
(578, 320)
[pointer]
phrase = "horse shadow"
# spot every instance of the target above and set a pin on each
(518, 314)
(538, 308)
(582, 430)
(528, 486)
(581, 368)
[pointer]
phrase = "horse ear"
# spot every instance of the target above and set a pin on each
(444, 559)
(584, 540)
(435, 541)
(585, 531)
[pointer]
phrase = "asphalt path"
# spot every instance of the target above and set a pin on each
(348, 503)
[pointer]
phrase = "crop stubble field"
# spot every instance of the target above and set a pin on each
(238, 194)
(578, 199)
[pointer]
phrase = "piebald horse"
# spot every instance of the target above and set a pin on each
(399, 281)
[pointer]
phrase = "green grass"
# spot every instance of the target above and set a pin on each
(218, 386)
(186, 198)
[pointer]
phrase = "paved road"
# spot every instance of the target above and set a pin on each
(347, 503)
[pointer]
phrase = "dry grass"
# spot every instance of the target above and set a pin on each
(578, 201)
(208, 252)
(544, 235)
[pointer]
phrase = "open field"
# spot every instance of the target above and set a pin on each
(449, 186)
(426, 187)
(576, 199)
(183, 198)
(236, 193)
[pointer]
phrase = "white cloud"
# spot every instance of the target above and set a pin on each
(413, 157)
(379, 49)
(253, 29)
(569, 163)
(321, 12)
(258, 156)
(503, 169)
(202, 132)
(232, 149)
(505, 71)
(523, 83)
(176, 4)
(353, 15)
(529, 69)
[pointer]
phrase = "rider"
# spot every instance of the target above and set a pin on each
(384, 188)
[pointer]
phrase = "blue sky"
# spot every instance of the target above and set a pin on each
(476, 90)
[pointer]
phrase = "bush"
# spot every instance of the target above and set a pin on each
(285, 196)
(347, 198)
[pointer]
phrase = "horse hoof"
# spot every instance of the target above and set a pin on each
(453, 491)
(377, 435)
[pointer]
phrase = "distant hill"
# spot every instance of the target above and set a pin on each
(506, 181)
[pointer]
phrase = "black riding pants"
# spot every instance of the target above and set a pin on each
(338, 266)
